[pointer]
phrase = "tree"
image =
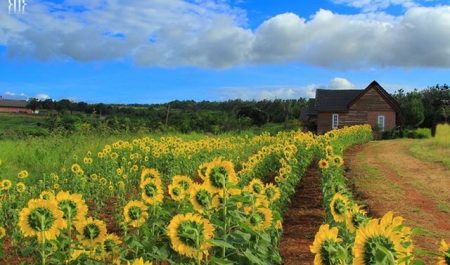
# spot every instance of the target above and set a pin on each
(412, 110)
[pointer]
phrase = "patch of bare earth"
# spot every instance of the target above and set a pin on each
(302, 221)
(387, 177)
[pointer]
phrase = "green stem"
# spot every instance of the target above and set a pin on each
(43, 256)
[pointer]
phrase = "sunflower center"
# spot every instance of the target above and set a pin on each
(150, 190)
(339, 207)
(69, 208)
(184, 184)
(328, 252)
(219, 177)
(379, 247)
(91, 231)
(41, 219)
(203, 198)
(269, 193)
(176, 191)
(191, 233)
(109, 245)
(134, 213)
(257, 218)
(257, 188)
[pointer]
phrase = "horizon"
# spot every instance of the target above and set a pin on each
(219, 50)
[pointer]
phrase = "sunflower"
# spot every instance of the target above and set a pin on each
(152, 192)
(183, 181)
(22, 174)
(91, 231)
(20, 187)
(260, 219)
(255, 186)
(220, 174)
(338, 207)
(47, 195)
(355, 217)
(323, 164)
(6, 184)
(135, 213)
(139, 261)
(202, 198)
(201, 172)
(41, 218)
(382, 236)
(72, 205)
(150, 173)
(324, 245)
(176, 192)
(444, 259)
(272, 192)
(329, 150)
(76, 168)
(338, 160)
(189, 234)
(2, 232)
(111, 247)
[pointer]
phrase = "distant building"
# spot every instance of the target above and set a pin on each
(14, 106)
(332, 109)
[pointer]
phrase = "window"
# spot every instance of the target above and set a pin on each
(381, 122)
(335, 121)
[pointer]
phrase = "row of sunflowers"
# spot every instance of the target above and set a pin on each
(349, 235)
(171, 200)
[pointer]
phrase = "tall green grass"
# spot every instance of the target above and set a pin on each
(442, 136)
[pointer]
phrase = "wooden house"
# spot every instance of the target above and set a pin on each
(332, 109)
(14, 106)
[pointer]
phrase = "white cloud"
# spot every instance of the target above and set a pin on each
(339, 83)
(42, 96)
(282, 92)
(213, 34)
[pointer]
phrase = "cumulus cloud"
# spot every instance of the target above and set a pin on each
(42, 96)
(282, 92)
(213, 34)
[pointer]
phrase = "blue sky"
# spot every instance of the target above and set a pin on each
(123, 51)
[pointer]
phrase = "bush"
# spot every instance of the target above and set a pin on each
(419, 133)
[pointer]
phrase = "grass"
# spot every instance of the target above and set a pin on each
(22, 124)
(436, 149)
(42, 155)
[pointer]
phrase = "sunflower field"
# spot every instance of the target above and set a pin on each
(179, 200)
(168, 200)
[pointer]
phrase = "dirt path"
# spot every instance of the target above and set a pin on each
(387, 177)
(302, 221)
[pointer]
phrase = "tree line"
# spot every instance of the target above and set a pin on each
(182, 116)
(424, 108)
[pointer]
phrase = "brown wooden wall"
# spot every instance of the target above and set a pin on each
(364, 111)
(15, 110)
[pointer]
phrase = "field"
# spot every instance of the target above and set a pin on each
(187, 199)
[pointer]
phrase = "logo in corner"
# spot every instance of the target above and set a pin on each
(17, 6)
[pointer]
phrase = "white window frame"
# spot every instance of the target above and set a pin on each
(381, 122)
(334, 121)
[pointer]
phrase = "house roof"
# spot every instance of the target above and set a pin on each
(12, 103)
(334, 100)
